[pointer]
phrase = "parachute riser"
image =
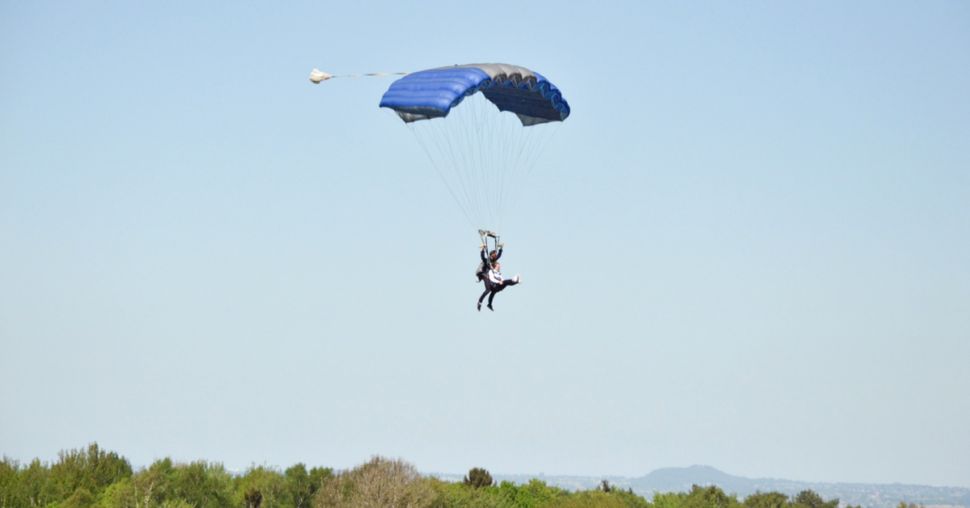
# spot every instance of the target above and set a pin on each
(485, 235)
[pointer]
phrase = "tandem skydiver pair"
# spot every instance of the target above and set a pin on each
(489, 271)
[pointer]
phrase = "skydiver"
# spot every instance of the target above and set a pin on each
(493, 256)
(494, 283)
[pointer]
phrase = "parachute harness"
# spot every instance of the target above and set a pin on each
(485, 235)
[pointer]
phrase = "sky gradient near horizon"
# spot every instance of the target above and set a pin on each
(749, 246)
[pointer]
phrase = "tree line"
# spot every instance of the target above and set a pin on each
(97, 478)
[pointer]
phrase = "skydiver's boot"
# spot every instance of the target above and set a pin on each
(490, 308)
(479, 306)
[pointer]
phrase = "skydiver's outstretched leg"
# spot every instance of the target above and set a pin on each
(498, 287)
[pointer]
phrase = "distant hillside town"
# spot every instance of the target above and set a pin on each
(869, 495)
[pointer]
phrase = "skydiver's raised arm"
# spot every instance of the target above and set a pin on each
(482, 254)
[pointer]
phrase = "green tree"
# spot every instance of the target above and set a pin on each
(164, 483)
(269, 484)
(11, 493)
(154, 485)
(630, 500)
(599, 499)
(811, 499)
(669, 499)
(253, 498)
(33, 481)
(120, 494)
(300, 485)
(203, 485)
(709, 497)
(176, 503)
(531, 495)
(767, 500)
(452, 494)
(89, 470)
(81, 498)
(319, 475)
(478, 477)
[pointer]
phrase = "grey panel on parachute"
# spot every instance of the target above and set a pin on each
(433, 92)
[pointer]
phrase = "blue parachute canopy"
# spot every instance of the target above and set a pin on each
(432, 93)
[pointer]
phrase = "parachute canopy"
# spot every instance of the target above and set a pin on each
(480, 153)
(432, 93)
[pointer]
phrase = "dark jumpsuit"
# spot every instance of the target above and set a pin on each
(484, 267)
(491, 288)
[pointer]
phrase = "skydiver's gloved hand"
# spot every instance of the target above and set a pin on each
(482, 247)
(501, 246)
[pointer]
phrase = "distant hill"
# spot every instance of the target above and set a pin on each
(680, 479)
(864, 494)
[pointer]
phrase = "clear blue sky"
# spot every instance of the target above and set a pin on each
(748, 247)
